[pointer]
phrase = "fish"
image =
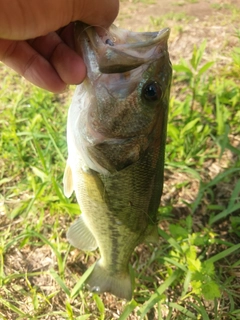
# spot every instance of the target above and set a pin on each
(116, 135)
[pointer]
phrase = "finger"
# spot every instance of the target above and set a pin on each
(67, 34)
(26, 61)
(26, 19)
(45, 45)
(68, 64)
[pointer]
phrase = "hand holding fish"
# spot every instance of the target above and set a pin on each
(30, 44)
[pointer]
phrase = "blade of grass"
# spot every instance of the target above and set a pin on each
(182, 310)
(83, 317)
(223, 254)
(158, 294)
(13, 308)
(216, 180)
(200, 309)
(235, 194)
(80, 283)
(44, 240)
(57, 278)
(224, 213)
(49, 129)
(175, 263)
(100, 305)
(128, 310)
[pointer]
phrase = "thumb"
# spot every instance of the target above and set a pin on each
(26, 19)
(95, 12)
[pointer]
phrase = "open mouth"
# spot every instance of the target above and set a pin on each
(120, 50)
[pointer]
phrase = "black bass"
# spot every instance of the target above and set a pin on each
(116, 135)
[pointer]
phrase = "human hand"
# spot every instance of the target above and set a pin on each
(36, 38)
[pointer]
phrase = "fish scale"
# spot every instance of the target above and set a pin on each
(116, 135)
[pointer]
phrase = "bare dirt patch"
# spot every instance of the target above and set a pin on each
(191, 22)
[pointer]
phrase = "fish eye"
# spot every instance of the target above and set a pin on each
(152, 91)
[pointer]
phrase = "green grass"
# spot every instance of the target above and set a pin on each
(194, 273)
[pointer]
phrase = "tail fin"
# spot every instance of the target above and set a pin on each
(100, 280)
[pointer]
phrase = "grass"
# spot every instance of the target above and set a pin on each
(195, 271)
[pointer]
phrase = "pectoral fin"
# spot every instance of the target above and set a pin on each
(80, 236)
(68, 181)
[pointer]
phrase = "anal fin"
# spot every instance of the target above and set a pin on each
(80, 236)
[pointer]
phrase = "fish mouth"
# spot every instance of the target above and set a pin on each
(119, 50)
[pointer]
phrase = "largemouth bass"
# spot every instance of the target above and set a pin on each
(116, 134)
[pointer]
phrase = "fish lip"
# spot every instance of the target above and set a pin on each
(130, 49)
(155, 37)
(149, 38)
